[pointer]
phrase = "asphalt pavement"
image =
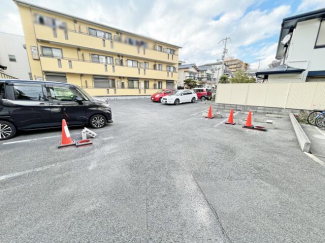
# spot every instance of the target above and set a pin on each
(161, 173)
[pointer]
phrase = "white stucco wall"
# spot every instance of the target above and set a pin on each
(288, 78)
(302, 52)
(13, 45)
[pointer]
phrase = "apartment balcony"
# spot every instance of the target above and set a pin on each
(200, 78)
(85, 41)
(82, 67)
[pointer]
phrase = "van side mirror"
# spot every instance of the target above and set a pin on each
(79, 100)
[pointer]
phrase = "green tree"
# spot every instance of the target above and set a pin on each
(190, 83)
(241, 77)
(223, 79)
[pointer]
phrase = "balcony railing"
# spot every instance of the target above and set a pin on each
(83, 40)
(6, 76)
(67, 65)
(199, 78)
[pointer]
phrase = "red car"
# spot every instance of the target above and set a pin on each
(156, 97)
(203, 93)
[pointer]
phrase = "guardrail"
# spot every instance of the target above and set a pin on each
(6, 76)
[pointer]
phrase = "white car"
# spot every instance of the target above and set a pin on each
(181, 96)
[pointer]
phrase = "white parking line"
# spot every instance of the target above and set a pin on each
(320, 131)
(35, 139)
(223, 121)
(315, 158)
(29, 140)
(4, 177)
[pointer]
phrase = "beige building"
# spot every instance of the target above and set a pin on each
(186, 71)
(234, 65)
(101, 59)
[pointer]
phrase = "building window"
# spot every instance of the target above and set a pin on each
(132, 63)
(59, 63)
(133, 84)
(109, 60)
(155, 86)
(123, 85)
(170, 51)
(12, 58)
(146, 65)
(99, 33)
(160, 67)
(159, 48)
(103, 82)
(105, 68)
(159, 84)
(101, 59)
(146, 84)
(171, 69)
(321, 35)
(51, 52)
(70, 64)
(104, 44)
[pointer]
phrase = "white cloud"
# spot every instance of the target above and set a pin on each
(266, 54)
(188, 23)
(308, 5)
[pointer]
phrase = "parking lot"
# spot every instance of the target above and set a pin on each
(162, 173)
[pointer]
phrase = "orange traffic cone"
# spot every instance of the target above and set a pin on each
(66, 138)
(249, 121)
(231, 118)
(210, 113)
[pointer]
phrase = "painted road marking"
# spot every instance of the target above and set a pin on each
(315, 158)
(4, 177)
(29, 140)
(319, 136)
(223, 121)
(320, 131)
(35, 139)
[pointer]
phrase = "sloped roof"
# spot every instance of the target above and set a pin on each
(203, 68)
(186, 66)
(288, 24)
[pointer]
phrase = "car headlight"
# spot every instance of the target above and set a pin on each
(157, 96)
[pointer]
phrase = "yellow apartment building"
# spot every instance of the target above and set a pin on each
(102, 60)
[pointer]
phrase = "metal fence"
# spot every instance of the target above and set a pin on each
(307, 96)
(6, 76)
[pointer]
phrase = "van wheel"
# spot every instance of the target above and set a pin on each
(176, 102)
(7, 130)
(203, 98)
(97, 121)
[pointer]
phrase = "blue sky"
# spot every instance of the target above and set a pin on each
(197, 26)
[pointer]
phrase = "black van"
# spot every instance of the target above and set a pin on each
(28, 105)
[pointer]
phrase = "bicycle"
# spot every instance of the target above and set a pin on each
(312, 116)
(320, 120)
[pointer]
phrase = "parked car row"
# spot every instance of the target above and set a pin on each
(168, 96)
(30, 105)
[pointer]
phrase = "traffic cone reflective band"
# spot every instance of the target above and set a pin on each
(249, 121)
(231, 118)
(66, 138)
(209, 113)
(84, 142)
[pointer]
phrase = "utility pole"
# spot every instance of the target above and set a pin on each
(259, 63)
(224, 52)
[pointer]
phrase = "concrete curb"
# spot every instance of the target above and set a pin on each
(303, 140)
